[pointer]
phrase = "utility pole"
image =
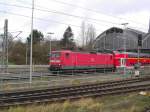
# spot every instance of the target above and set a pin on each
(2, 53)
(31, 42)
(50, 43)
(26, 52)
(137, 65)
(5, 46)
(125, 58)
(6, 22)
(139, 47)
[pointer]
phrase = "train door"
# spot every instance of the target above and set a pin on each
(70, 59)
(122, 62)
(67, 58)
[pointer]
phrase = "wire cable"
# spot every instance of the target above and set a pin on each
(91, 10)
(62, 13)
(41, 19)
(66, 14)
(88, 9)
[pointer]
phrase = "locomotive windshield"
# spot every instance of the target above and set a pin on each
(55, 54)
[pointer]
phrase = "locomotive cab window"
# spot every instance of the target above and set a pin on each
(67, 55)
(55, 55)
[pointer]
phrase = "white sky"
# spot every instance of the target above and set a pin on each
(104, 14)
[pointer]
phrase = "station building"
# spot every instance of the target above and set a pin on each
(116, 38)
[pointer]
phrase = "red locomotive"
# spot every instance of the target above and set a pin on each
(67, 60)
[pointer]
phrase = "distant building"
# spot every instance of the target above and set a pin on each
(114, 39)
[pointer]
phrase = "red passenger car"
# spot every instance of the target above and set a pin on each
(67, 60)
(130, 59)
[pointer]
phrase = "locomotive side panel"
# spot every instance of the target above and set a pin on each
(105, 61)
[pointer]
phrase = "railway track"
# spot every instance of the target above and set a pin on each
(73, 92)
(147, 109)
(25, 76)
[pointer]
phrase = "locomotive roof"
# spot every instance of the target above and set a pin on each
(92, 52)
(63, 51)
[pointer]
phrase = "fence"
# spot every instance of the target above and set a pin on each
(18, 78)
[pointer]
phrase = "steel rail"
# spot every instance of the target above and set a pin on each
(75, 92)
(101, 84)
(60, 90)
(98, 93)
(57, 94)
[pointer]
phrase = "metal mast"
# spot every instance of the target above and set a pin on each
(5, 46)
(31, 42)
(124, 34)
(149, 27)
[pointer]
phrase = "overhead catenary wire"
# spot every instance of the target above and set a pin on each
(45, 10)
(93, 10)
(88, 9)
(64, 13)
(46, 20)
(42, 19)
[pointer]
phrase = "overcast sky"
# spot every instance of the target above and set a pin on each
(55, 15)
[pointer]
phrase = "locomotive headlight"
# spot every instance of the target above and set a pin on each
(52, 60)
(56, 61)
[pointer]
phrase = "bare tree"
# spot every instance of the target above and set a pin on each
(91, 34)
(88, 35)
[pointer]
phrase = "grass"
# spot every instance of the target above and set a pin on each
(118, 103)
